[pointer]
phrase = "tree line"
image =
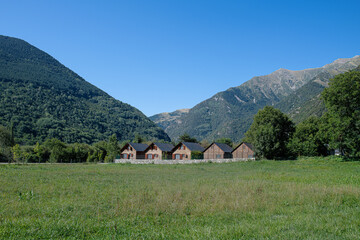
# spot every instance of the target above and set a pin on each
(55, 151)
(273, 134)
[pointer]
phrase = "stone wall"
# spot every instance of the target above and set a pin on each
(152, 161)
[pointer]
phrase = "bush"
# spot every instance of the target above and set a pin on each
(197, 155)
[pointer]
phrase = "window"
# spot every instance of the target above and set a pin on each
(156, 156)
(124, 156)
(177, 156)
(184, 156)
(149, 156)
(182, 147)
(218, 155)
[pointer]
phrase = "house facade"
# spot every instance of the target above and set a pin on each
(244, 150)
(183, 150)
(159, 151)
(218, 151)
(133, 151)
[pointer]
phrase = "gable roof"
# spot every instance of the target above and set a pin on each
(193, 146)
(249, 145)
(224, 147)
(139, 147)
(165, 147)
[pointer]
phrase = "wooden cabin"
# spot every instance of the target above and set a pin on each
(218, 151)
(133, 151)
(183, 150)
(244, 150)
(159, 151)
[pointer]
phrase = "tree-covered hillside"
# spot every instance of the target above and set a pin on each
(42, 99)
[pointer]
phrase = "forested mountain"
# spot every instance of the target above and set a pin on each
(40, 98)
(229, 113)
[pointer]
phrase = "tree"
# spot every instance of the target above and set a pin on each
(77, 152)
(6, 142)
(342, 100)
(6, 139)
(197, 155)
(308, 139)
(57, 150)
(22, 154)
(270, 133)
(204, 143)
(227, 141)
(98, 152)
(186, 138)
(138, 138)
(41, 152)
(113, 148)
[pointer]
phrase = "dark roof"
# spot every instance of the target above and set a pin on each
(193, 146)
(139, 147)
(165, 147)
(224, 147)
(249, 145)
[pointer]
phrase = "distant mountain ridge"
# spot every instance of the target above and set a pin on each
(229, 113)
(42, 99)
(164, 120)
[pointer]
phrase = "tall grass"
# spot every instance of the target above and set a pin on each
(306, 199)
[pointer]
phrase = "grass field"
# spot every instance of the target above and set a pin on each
(303, 199)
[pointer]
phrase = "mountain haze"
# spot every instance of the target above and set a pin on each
(42, 99)
(229, 113)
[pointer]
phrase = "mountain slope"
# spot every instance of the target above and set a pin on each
(43, 99)
(306, 101)
(164, 120)
(229, 113)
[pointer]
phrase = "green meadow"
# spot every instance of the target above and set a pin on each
(310, 198)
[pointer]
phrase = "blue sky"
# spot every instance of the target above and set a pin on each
(179, 53)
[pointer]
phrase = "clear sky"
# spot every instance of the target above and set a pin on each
(163, 55)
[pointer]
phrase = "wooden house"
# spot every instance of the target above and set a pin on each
(218, 151)
(183, 150)
(159, 151)
(244, 150)
(133, 151)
